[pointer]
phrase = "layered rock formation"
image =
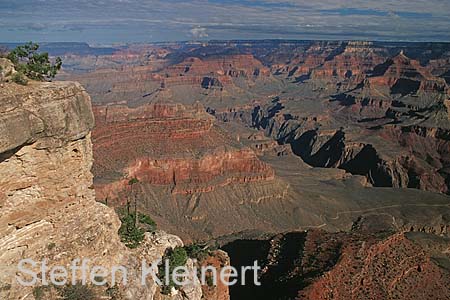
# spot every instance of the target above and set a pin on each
(176, 149)
(405, 76)
(172, 145)
(390, 155)
(161, 78)
(203, 179)
(397, 267)
(213, 72)
(358, 265)
(399, 86)
(344, 64)
(383, 125)
(47, 201)
(337, 133)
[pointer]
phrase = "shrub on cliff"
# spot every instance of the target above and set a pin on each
(19, 78)
(33, 64)
(197, 251)
(147, 223)
(132, 233)
(177, 257)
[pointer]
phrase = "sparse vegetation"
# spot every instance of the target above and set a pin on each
(131, 183)
(210, 281)
(147, 223)
(19, 78)
(177, 257)
(77, 292)
(131, 233)
(51, 246)
(197, 251)
(134, 224)
(40, 292)
(5, 287)
(113, 293)
(30, 63)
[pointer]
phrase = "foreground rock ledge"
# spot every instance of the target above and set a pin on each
(47, 203)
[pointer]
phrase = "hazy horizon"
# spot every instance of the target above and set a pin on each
(134, 21)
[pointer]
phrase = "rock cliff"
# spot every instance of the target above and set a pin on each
(47, 201)
(178, 152)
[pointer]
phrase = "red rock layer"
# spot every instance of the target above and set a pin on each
(324, 62)
(218, 260)
(401, 67)
(348, 64)
(168, 144)
(220, 168)
(394, 268)
(212, 71)
(428, 155)
(243, 65)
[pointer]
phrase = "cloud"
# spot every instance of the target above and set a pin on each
(37, 26)
(137, 20)
(198, 33)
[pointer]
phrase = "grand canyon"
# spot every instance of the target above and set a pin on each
(328, 162)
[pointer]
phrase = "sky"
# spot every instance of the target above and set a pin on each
(125, 21)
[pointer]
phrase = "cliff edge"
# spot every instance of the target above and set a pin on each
(47, 201)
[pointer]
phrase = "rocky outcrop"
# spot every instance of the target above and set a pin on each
(363, 264)
(228, 65)
(333, 64)
(221, 168)
(218, 259)
(398, 87)
(398, 154)
(213, 72)
(353, 64)
(305, 60)
(47, 202)
(6, 69)
(404, 75)
(396, 267)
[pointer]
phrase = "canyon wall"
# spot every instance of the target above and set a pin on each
(177, 153)
(47, 201)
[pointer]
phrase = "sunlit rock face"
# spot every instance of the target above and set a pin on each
(47, 201)
(174, 151)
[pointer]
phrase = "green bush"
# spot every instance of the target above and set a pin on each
(177, 257)
(198, 251)
(130, 234)
(133, 180)
(147, 222)
(132, 230)
(33, 64)
(19, 78)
